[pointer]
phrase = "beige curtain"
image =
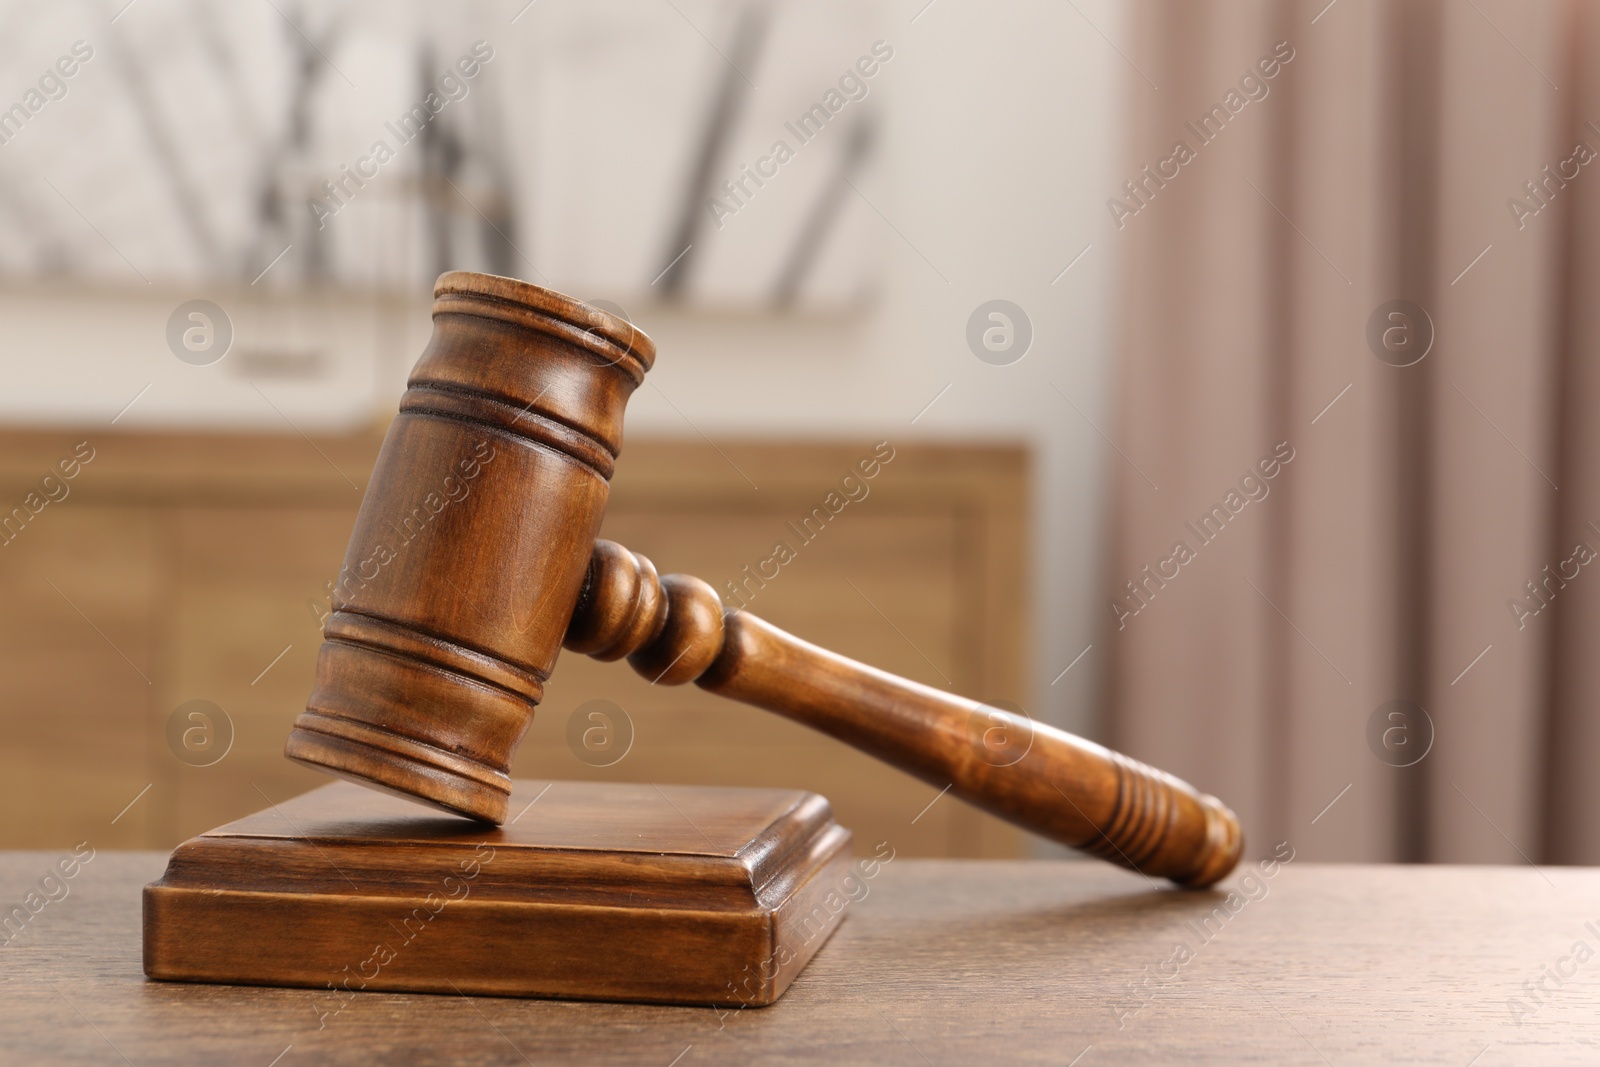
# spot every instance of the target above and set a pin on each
(1383, 562)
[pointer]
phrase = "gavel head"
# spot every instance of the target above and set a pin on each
(472, 544)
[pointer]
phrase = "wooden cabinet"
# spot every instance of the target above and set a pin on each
(78, 651)
(243, 587)
(190, 568)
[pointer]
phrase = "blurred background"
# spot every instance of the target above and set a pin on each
(1230, 359)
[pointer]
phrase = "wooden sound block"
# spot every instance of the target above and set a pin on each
(598, 891)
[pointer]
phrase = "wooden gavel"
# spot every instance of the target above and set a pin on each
(474, 559)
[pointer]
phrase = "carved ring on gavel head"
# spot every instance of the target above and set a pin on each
(475, 559)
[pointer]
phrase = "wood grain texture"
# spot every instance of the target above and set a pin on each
(472, 542)
(675, 630)
(203, 555)
(597, 891)
(943, 962)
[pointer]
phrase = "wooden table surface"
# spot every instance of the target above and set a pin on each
(943, 962)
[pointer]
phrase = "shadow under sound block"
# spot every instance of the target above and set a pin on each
(592, 890)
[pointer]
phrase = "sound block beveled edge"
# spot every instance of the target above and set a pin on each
(597, 891)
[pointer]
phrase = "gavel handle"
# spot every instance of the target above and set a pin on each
(675, 630)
